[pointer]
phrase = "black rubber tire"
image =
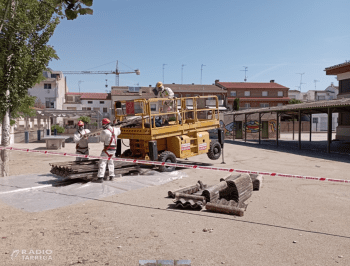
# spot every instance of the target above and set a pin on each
(214, 152)
(127, 153)
(167, 156)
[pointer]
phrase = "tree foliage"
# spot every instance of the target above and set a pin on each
(26, 28)
(85, 119)
(294, 101)
(236, 104)
(24, 52)
(73, 8)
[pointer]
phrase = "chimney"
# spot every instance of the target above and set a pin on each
(192, 83)
(217, 81)
(272, 81)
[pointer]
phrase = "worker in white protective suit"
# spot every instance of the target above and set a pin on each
(81, 140)
(109, 138)
(165, 92)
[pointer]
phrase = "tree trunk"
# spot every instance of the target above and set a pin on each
(5, 141)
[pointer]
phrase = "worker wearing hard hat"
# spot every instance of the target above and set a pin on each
(81, 140)
(109, 138)
(164, 92)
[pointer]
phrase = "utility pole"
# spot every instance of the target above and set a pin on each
(315, 82)
(163, 72)
(182, 72)
(201, 72)
(245, 73)
(80, 81)
(301, 78)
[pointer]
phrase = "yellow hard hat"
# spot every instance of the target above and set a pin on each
(159, 84)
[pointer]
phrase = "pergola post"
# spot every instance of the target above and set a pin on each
(277, 125)
(310, 125)
(260, 128)
(299, 144)
(293, 117)
(329, 131)
(245, 127)
(233, 127)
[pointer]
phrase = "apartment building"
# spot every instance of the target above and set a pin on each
(342, 71)
(50, 93)
(87, 101)
(254, 94)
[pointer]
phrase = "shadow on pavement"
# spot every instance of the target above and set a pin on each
(340, 151)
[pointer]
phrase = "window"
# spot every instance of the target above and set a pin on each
(264, 105)
(177, 95)
(344, 86)
(105, 109)
(247, 105)
(55, 76)
(47, 86)
(88, 108)
(247, 93)
(321, 98)
(315, 120)
(188, 95)
(280, 104)
(153, 107)
(292, 97)
(233, 93)
(89, 102)
(264, 93)
(70, 98)
(50, 102)
(102, 102)
(96, 109)
(280, 93)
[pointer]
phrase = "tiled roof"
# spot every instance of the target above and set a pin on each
(313, 107)
(261, 99)
(91, 95)
(123, 91)
(251, 85)
(347, 63)
(194, 88)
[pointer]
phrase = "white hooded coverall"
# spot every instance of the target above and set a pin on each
(109, 138)
(82, 146)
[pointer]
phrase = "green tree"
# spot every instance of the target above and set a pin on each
(85, 119)
(294, 101)
(26, 26)
(236, 104)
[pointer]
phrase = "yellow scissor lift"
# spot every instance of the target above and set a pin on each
(169, 128)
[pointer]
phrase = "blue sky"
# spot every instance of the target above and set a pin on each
(275, 39)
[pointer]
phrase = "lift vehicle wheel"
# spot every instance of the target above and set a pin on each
(214, 150)
(127, 153)
(168, 157)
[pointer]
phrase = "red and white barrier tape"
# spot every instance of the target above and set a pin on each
(179, 165)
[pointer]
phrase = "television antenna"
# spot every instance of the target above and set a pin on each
(163, 72)
(315, 82)
(182, 72)
(245, 73)
(80, 81)
(301, 78)
(201, 72)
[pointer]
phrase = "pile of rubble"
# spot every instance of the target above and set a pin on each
(228, 196)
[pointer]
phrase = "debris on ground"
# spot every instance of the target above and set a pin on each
(88, 169)
(228, 196)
